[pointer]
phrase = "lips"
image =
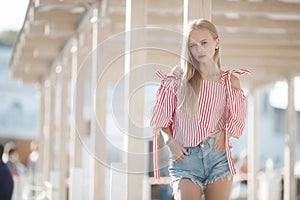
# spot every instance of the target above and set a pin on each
(201, 56)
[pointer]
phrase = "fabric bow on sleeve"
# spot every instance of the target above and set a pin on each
(163, 110)
(236, 112)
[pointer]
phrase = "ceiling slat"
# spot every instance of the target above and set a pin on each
(255, 7)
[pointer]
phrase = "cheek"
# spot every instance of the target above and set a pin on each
(193, 53)
(211, 51)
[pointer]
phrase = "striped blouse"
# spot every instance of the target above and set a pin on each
(220, 108)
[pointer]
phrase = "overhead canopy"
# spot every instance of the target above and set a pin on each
(263, 36)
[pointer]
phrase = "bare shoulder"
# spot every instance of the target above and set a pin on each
(177, 71)
(235, 82)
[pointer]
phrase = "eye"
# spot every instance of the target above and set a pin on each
(193, 46)
(204, 43)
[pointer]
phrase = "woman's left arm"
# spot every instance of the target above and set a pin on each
(237, 111)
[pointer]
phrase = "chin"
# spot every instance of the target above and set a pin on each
(203, 60)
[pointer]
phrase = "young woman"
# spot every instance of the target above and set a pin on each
(198, 108)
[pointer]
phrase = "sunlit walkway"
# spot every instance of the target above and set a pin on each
(95, 62)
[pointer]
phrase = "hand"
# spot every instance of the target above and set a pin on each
(220, 141)
(177, 150)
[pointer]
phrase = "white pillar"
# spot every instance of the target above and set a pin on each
(76, 180)
(46, 131)
(63, 132)
(117, 182)
(195, 9)
(52, 125)
(135, 18)
(290, 144)
(49, 128)
(253, 156)
(39, 164)
(98, 140)
(77, 125)
(77, 98)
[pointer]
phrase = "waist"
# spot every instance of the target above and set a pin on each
(195, 139)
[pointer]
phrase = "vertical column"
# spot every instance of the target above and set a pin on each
(52, 128)
(62, 131)
(289, 149)
(39, 164)
(135, 17)
(252, 146)
(46, 132)
(98, 140)
(48, 153)
(195, 9)
(77, 98)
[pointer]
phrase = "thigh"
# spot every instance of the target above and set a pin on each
(185, 189)
(220, 189)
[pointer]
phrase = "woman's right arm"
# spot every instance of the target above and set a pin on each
(177, 150)
(167, 134)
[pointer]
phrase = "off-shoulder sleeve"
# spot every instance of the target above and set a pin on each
(165, 103)
(236, 112)
(163, 110)
(236, 105)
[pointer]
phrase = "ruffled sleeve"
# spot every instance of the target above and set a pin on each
(236, 105)
(236, 111)
(163, 110)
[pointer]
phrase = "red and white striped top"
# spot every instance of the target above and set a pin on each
(220, 108)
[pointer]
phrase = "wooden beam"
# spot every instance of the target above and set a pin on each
(70, 6)
(59, 16)
(165, 4)
(163, 19)
(65, 28)
(34, 41)
(40, 52)
(228, 37)
(260, 52)
(253, 22)
(255, 8)
(250, 61)
(26, 79)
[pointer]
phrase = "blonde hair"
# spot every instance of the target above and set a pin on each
(188, 93)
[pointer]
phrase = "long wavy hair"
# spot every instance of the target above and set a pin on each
(188, 92)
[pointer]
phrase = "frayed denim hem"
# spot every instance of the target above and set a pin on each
(187, 177)
(225, 176)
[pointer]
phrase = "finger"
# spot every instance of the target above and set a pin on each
(179, 157)
(185, 152)
(216, 146)
(219, 148)
(174, 157)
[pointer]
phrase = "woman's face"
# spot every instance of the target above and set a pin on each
(202, 45)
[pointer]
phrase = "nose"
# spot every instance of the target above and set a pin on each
(200, 48)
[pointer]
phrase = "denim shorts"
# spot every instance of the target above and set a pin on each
(203, 165)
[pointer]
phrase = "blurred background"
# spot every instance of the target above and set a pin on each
(62, 116)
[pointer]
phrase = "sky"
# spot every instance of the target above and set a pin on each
(12, 13)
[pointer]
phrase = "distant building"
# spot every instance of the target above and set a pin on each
(19, 103)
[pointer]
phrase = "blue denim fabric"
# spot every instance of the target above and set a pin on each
(203, 165)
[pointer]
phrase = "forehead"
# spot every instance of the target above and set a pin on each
(200, 34)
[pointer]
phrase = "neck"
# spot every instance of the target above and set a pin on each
(208, 70)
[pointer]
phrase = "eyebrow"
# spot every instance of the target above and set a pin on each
(193, 41)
